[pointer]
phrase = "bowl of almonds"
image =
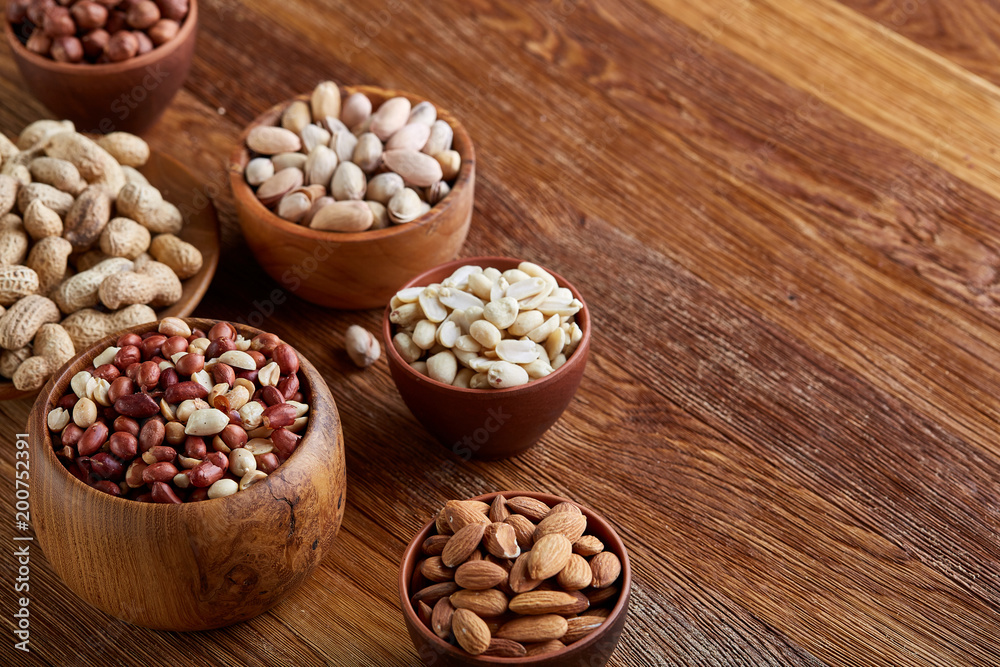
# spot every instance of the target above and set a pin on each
(188, 473)
(487, 352)
(515, 578)
(346, 193)
(108, 65)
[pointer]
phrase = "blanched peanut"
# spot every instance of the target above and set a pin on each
(442, 367)
(485, 333)
(503, 374)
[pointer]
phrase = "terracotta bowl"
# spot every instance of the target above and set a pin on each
(354, 270)
(593, 650)
(127, 96)
(487, 424)
(201, 229)
(193, 566)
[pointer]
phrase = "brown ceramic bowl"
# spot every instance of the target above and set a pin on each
(362, 269)
(593, 650)
(193, 566)
(487, 424)
(128, 96)
(201, 229)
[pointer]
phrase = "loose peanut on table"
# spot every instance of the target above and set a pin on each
(318, 168)
(480, 328)
(165, 418)
(89, 220)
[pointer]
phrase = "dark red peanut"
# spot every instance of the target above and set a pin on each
(258, 358)
(284, 355)
(168, 378)
(217, 347)
(222, 330)
(190, 364)
(265, 343)
(126, 425)
(130, 339)
(151, 435)
(148, 375)
(276, 416)
(205, 474)
(173, 345)
(163, 471)
(162, 493)
(106, 466)
(138, 406)
(198, 494)
(271, 396)
(195, 447)
(67, 402)
(218, 459)
(108, 487)
(223, 373)
(92, 438)
(289, 386)
(127, 356)
(234, 436)
(144, 498)
(133, 476)
(106, 372)
(184, 391)
(284, 442)
(158, 454)
(152, 345)
(122, 444)
(120, 386)
(71, 435)
(247, 375)
(267, 462)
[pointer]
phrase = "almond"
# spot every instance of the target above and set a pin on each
(588, 545)
(606, 568)
(501, 541)
(417, 169)
(470, 631)
(498, 510)
(435, 570)
(441, 618)
(534, 628)
(564, 507)
(600, 595)
(550, 646)
(441, 524)
(577, 574)
(549, 555)
(433, 593)
(535, 510)
(518, 579)
(570, 526)
(476, 555)
(601, 612)
(424, 613)
(548, 602)
(505, 648)
(462, 544)
(484, 603)
(581, 626)
(434, 545)
(460, 513)
(524, 529)
(479, 575)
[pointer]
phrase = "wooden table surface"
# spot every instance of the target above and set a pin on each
(783, 214)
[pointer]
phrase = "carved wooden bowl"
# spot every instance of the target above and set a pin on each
(193, 566)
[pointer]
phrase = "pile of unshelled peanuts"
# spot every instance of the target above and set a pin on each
(95, 31)
(339, 166)
(87, 246)
(514, 578)
(180, 415)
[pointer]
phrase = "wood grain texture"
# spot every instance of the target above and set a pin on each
(783, 222)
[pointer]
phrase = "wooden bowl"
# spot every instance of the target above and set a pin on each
(354, 270)
(193, 566)
(201, 229)
(128, 96)
(487, 424)
(593, 650)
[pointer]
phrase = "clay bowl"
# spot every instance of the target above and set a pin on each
(201, 229)
(593, 650)
(101, 98)
(193, 566)
(354, 270)
(487, 424)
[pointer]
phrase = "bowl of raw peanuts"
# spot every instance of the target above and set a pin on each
(189, 473)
